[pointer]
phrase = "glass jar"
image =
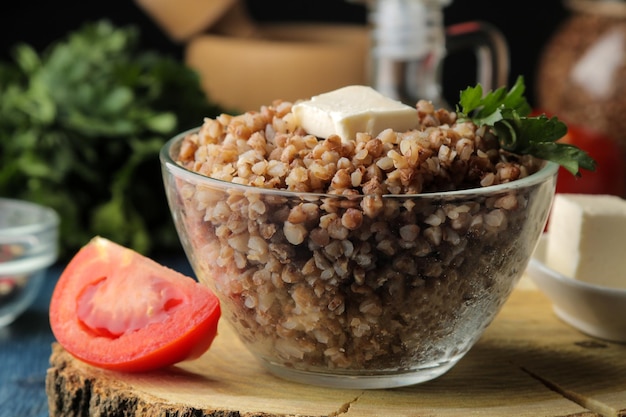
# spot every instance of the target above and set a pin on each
(582, 71)
(409, 43)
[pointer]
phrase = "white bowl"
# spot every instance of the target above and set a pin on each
(593, 309)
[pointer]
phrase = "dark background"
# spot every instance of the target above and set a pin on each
(526, 25)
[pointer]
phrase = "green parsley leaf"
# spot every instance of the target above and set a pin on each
(81, 125)
(506, 113)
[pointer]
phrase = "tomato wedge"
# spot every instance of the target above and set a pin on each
(117, 309)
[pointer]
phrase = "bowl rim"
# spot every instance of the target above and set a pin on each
(48, 218)
(537, 268)
(549, 169)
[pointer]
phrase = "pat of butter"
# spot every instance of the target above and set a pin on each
(353, 109)
(587, 238)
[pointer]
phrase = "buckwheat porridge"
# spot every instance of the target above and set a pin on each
(349, 271)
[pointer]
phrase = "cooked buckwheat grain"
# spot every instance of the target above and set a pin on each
(350, 278)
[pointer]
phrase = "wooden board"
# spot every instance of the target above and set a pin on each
(528, 363)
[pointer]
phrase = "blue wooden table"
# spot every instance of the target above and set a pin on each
(25, 350)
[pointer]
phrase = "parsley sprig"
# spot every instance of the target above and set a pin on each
(81, 125)
(506, 113)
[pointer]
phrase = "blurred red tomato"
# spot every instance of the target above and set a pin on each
(609, 176)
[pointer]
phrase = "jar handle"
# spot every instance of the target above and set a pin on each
(490, 47)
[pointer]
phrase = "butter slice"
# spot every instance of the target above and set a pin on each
(587, 238)
(353, 109)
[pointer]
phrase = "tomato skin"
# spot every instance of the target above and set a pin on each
(184, 330)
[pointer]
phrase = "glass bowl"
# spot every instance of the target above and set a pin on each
(28, 245)
(357, 291)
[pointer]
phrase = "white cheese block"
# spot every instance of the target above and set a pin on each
(587, 238)
(353, 109)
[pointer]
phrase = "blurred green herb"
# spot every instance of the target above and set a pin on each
(81, 125)
(507, 114)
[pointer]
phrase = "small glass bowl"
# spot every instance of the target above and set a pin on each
(28, 245)
(343, 299)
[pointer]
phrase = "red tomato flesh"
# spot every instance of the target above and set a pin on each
(116, 309)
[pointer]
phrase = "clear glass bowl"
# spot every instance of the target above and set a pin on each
(326, 292)
(28, 245)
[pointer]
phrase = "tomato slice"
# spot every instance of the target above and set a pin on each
(117, 309)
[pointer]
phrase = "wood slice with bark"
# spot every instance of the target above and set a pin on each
(528, 363)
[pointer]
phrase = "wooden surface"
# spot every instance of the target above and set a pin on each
(528, 363)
